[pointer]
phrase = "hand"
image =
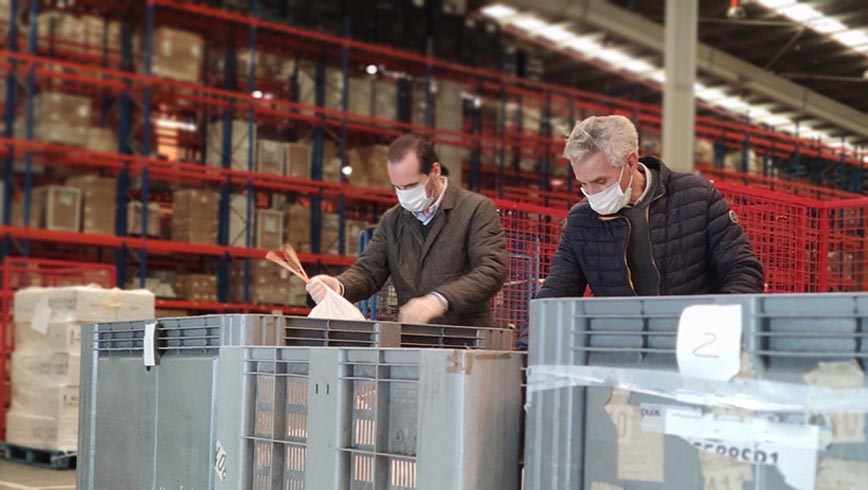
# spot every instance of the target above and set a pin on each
(421, 310)
(316, 288)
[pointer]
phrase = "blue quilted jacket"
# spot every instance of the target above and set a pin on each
(698, 245)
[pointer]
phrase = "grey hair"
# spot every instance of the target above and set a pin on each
(613, 136)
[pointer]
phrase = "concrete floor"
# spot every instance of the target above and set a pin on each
(14, 476)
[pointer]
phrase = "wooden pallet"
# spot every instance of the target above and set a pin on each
(55, 460)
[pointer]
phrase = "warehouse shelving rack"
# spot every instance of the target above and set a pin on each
(134, 96)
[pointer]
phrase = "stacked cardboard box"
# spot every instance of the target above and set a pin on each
(64, 31)
(194, 216)
(239, 149)
(271, 157)
(102, 139)
(297, 226)
(99, 201)
(134, 219)
(370, 166)
(62, 118)
(268, 284)
(298, 160)
(197, 287)
(37, 208)
(385, 99)
(269, 229)
(60, 206)
(177, 54)
(334, 86)
(46, 361)
(331, 234)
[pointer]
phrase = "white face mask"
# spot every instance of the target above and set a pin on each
(612, 199)
(416, 199)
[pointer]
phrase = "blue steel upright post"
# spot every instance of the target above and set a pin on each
(11, 82)
(124, 148)
(146, 138)
(230, 73)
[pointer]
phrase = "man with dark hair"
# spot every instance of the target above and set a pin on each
(442, 246)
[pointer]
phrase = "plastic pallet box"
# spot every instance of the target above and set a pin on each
(134, 418)
(575, 439)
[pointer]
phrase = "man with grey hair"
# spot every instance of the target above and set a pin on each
(644, 230)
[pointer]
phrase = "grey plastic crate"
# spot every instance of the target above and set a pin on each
(570, 440)
(133, 419)
(369, 419)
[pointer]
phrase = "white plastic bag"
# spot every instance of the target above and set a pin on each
(335, 307)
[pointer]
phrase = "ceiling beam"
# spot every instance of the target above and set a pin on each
(738, 74)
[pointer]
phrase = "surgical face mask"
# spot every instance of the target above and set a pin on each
(416, 199)
(612, 199)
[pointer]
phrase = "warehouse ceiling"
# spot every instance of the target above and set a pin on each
(827, 93)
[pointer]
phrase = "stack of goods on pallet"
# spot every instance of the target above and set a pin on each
(99, 200)
(51, 207)
(194, 216)
(266, 234)
(369, 164)
(59, 118)
(239, 151)
(197, 287)
(267, 284)
(176, 54)
(46, 361)
(134, 219)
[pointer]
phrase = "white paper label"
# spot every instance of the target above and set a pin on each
(149, 347)
(791, 448)
(220, 462)
(41, 316)
(709, 341)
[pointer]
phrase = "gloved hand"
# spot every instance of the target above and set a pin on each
(316, 288)
(421, 310)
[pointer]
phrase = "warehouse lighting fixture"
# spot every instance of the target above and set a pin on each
(371, 69)
(584, 45)
(588, 46)
(257, 94)
(774, 4)
(826, 25)
(530, 24)
(800, 12)
(812, 18)
(557, 34)
(708, 94)
(347, 170)
(638, 66)
(852, 38)
(498, 11)
(173, 124)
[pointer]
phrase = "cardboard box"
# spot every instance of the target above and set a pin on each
(60, 338)
(197, 287)
(296, 223)
(45, 401)
(269, 229)
(45, 369)
(298, 160)
(370, 166)
(33, 431)
(169, 313)
(240, 145)
(99, 202)
(102, 139)
(176, 54)
(134, 219)
(37, 210)
(194, 216)
(267, 283)
(61, 206)
(63, 119)
(271, 157)
(83, 304)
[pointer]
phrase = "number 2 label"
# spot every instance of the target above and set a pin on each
(709, 341)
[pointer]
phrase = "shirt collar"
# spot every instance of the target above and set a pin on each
(426, 218)
(648, 184)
